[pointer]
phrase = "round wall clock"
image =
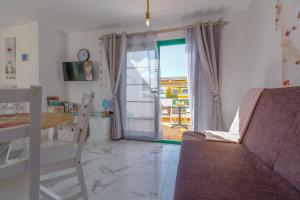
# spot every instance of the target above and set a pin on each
(83, 55)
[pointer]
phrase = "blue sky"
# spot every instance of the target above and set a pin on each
(173, 61)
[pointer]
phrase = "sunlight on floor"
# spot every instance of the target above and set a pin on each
(173, 134)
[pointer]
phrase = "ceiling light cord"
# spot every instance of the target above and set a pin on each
(148, 6)
(148, 19)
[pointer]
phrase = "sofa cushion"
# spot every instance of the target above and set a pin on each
(273, 123)
(213, 170)
(288, 162)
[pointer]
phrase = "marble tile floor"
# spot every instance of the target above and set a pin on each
(127, 170)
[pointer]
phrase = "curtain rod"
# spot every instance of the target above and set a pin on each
(224, 23)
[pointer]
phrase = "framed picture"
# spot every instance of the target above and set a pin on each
(10, 57)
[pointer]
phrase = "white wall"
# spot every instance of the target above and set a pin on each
(27, 38)
(46, 49)
(251, 55)
(76, 89)
(51, 55)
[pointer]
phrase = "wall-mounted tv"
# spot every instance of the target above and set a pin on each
(78, 71)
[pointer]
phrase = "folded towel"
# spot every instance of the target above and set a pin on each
(241, 121)
(220, 136)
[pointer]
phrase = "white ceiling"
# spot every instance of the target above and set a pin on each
(84, 15)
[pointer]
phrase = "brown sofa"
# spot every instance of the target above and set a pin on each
(266, 166)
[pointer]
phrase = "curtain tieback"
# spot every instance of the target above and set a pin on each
(114, 99)
(216, 97)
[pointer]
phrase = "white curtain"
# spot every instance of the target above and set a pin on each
(140, 87)
(203, 48)
(115, 52)
(201, 97)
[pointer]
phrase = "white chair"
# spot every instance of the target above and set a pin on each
(67, 157)
(30, 163)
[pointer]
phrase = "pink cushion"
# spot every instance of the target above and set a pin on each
(272, 123)
(7, 121)
(288, 162)
(274, 132)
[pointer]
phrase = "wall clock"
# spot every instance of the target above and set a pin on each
(83, 55)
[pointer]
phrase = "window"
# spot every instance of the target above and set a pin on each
(172, 58)
(174, 91)
(185, 91)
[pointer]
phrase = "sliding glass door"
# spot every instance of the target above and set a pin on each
(140, 86)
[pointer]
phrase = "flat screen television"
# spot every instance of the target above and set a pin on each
(78, 71)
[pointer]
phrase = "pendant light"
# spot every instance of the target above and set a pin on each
(148, 20)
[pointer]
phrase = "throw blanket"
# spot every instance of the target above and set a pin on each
(241, 121)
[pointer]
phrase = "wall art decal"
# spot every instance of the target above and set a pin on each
(288, 17)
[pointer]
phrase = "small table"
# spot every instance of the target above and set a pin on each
(49, 120)
(179, 124)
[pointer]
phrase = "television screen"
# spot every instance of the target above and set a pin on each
(78, 71)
